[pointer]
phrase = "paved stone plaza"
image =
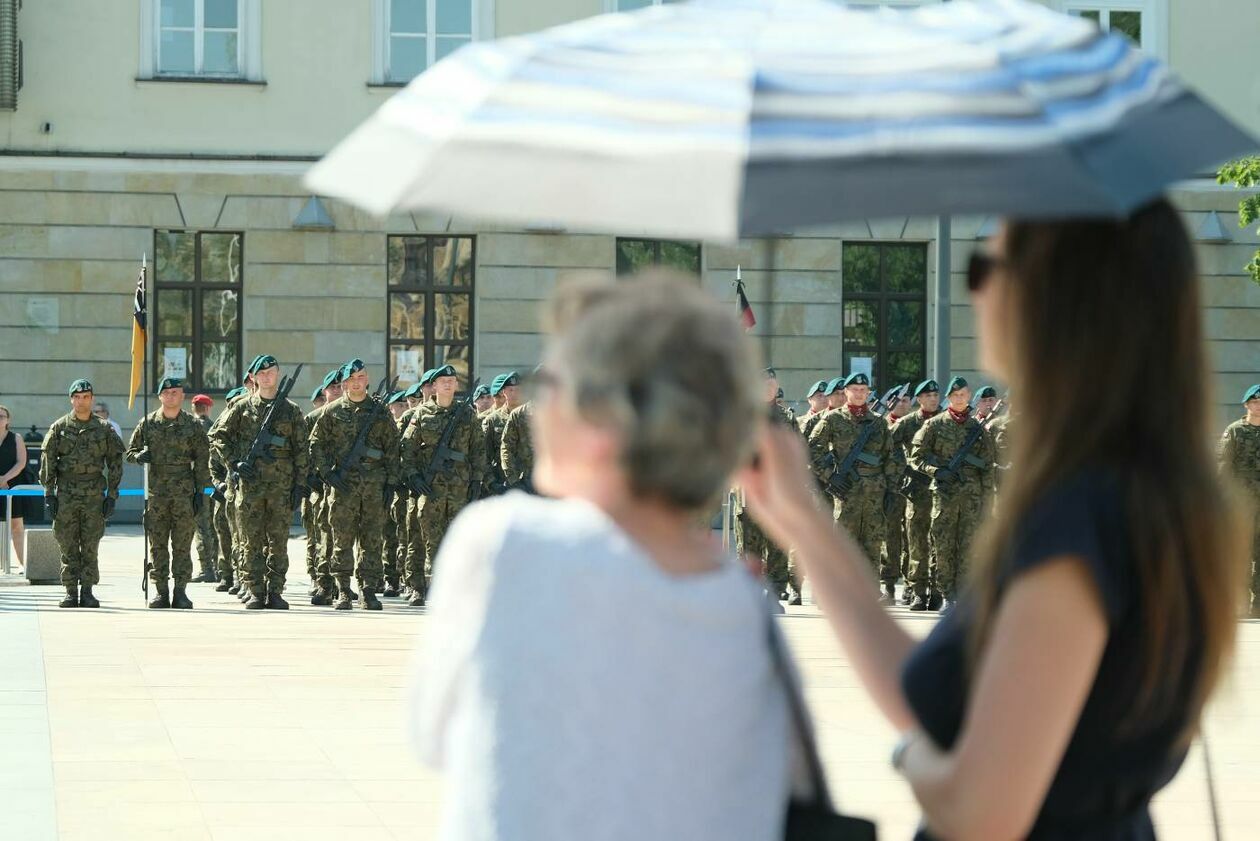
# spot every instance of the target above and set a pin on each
(223, 725)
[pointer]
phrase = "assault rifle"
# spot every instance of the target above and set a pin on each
(247, 468)
(842, 481)
(444, 458)
(948, 475)
(359, 450)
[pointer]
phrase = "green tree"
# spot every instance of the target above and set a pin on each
(1245, 174)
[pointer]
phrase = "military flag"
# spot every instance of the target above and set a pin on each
(139, 335)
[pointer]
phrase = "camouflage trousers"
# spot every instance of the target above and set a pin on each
(433, 518)
(309, 506)
(324, 551)
(896, 552)
(169, 524)
(861, 513)
(955, 518)
(223, 528)
(394, 538)
(750, 540)
(79, 527)
(207, 540)
(918, 547)
(358, 514)
(264, 518)
(413, 547)
(1255, 558)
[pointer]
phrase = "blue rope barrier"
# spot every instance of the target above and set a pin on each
(121, 492)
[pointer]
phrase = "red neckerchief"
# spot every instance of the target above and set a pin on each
(959, 417)
(894, 418)
(857, 411)
(926, 414)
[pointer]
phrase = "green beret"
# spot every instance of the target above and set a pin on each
(79, 386)
(168, 382)
(395, 397)
(1252, 393)
(427, 376)
(249, 369)
(262, 363)
(413, 391)
(481, 391)
(352, 367)
(503, 381)
(239, 391)
(330, 379)
(444, 371)
(986, 391)
(834, 386)
(955, 384)
(857, 378)
(821, 385)
(927, 387)
(317, 393)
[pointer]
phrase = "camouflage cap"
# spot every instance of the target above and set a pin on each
(955, 384)
(857, 378)
(80, 385)
(1252, 393)
(985, 391)
(168, 382)
(927, 387)
(239, 391)
(821, 385)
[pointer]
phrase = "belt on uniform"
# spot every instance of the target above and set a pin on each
(82, 472)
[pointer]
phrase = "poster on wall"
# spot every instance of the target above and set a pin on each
(175, 362)
(408, 366)
(862, 365)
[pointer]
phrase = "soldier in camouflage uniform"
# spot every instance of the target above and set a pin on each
(207, 538)
(172, 445)
(311, 501)
(896, 554)
(817, 400)
(482, 401)
(861, 511)
(959, 497)
(410, 560)
(1239, 456)
(516, 450)
(452, 485)
(224, 513)
(396, 515)
(916, 490)
(324, 583)
(270, 491)
(360, 492)
(80, 471)
(507, 388)
(750, 540)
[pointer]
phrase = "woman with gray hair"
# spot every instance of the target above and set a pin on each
(595, 668)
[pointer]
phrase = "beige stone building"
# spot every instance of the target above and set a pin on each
(180, 129)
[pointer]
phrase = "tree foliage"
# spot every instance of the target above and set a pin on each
(1245, 174)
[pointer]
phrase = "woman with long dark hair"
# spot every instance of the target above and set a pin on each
(1065, 689)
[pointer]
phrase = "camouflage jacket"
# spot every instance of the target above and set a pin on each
(333, 433)
(239, 425)
(806, 423)
(1000, 429)
(940, 438)
(83, 458)
(422, 436)
(837, 433)
(180, 452)
(492, 425)
(1239, 454)
(516, 451)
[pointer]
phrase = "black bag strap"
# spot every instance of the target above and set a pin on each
(804, 733)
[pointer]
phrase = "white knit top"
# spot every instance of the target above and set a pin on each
(570, 689)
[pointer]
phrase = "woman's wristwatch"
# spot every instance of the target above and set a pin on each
(899, 751)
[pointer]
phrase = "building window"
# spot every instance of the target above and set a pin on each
(210, 39)
(430, 305)
(634, 255)
(411, 35)
(885, 311)
(1142, 21)
(197, 308)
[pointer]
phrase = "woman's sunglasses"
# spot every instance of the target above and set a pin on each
(980, 267)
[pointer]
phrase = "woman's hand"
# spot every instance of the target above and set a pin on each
(778, 486)
(4, 484)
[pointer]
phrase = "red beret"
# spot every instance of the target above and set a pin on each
(202, 400)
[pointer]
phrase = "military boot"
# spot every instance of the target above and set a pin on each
(275, 601)
(225, 584)
(345, 596)
(369, 601)
(161, 598)
(391, 588)
(907, 595)
(234, 588)
(888, 596)
(919, 604)
(935, 600)
(206, 576)
(257, 601)
(321, 597)
(416, 599)
(72, 596)
(86, 599)
(181, 600)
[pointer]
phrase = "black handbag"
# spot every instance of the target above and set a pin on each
(811, 819)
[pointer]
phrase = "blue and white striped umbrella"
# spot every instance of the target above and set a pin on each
(719, 118)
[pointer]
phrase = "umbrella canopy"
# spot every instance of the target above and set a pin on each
(720, 118)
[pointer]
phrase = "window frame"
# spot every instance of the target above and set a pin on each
(431, 290)
(482, 19)
(248, 44)
(196, 287)
(882, 349)
(1154, 18)
(657, 252)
